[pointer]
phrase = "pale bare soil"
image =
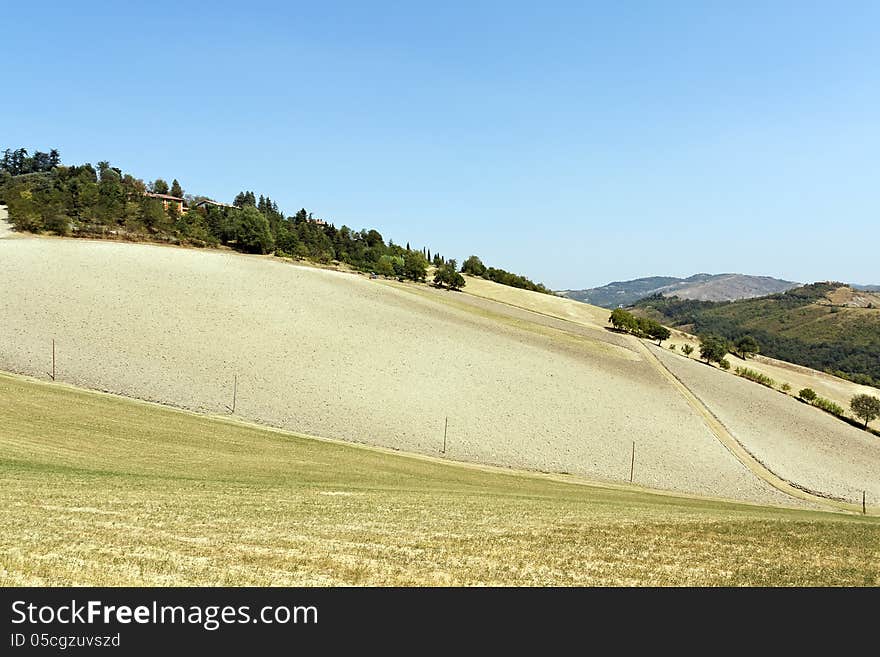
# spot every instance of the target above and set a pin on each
(568, 309)
(800, 443)
(820, 453)
(797, 377)
(5, 228)
(338, 355)
(831, 387)
(847, 296)
(834, 388)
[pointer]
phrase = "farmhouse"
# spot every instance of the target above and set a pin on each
(168, 200)
(204, 203)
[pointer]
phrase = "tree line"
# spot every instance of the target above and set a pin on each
(642, 327)
(475, 267)
(43, 194)
(18, 162)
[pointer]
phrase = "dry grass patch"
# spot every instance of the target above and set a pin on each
(100, 490)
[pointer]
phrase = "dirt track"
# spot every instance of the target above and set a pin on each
(799, 443)
(338, 355)
(822, 458)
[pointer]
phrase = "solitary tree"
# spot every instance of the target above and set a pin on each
(687, 349)
(658, 332)
(865, 407)
(746, 346)
(712, 348)
(160, 186)
(176, 189)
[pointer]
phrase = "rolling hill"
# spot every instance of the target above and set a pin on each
(526, 380)
(703, 287)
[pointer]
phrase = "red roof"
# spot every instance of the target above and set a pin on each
(167, 197)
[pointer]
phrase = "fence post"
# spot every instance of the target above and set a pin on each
(234, 393)
(445, 429)
(632, 464)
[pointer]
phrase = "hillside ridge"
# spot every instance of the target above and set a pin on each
(828, 326)
(701, 287)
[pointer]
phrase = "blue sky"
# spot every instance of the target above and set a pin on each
(576, 143)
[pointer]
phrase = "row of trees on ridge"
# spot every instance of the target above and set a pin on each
(42, 194)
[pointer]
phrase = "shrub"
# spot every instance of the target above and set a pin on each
(757, 377)
(59, 224)
(828, 406)
(807, 394)
(786, 387)
(687, 349)
(672, 347)
(724, 364)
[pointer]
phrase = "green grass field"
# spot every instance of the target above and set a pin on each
(105, 491)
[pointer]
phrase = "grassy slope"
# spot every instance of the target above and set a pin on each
(806, 331)
(811, 323)
(102, 490)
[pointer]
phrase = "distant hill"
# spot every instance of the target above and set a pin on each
(828, 326)
(867, 288)
(702, 287)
